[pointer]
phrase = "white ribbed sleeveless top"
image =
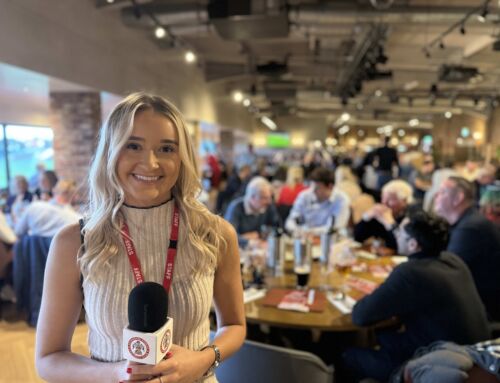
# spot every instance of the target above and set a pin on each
(190, 294)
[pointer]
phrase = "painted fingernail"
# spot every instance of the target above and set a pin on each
(129, 370)
(169, 354)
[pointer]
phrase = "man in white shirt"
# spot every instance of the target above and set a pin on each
(46, 218)
(316, 206)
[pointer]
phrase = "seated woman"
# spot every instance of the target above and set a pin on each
(289, 192)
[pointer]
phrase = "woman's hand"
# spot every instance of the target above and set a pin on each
(183, 366)
(122, 372)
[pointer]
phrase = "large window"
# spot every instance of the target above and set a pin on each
(27, 146)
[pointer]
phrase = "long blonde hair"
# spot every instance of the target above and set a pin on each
(106, 196)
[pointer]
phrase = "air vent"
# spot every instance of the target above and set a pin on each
(272, 68)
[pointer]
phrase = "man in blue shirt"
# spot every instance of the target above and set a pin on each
(315, 206)
(251, 213)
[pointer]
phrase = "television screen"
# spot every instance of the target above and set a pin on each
(278, 140)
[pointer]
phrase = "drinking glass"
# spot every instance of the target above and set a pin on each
(303, 261)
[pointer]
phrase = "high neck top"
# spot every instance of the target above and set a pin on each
(190, 295)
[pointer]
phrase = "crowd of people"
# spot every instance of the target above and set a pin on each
(445, 218)
(38, 207)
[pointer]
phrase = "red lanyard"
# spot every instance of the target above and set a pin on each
(171, 252)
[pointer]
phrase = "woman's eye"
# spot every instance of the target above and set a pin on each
(133, 146)
(167, 149)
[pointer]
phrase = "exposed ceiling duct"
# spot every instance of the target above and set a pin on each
(247, 19)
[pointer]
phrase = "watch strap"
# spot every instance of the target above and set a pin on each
(217, 359)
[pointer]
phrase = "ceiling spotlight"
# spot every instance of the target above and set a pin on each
(246, 102)
(482, 16)
(378, 93)
(361, 133)
(237, 96)
(359, 106)
(110, 1)
(190, 57)
(160, 32)
(448, 114)
(441, 45)
(401, 133)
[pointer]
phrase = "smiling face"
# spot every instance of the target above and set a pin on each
(148, 165)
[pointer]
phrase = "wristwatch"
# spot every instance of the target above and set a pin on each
(216, 362)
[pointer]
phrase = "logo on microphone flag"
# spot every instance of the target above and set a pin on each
(165, 341)
(138, 348)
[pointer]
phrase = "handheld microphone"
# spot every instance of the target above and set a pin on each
(148, 336)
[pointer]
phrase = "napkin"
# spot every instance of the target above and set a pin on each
(344, 305)
(252, 294)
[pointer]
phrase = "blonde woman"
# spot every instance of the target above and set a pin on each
(144, 174)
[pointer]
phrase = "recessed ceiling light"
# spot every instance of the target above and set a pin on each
(448, 114)
(378, 93)
(190, 57)
(413, 122)
(237, 96)
(246, 102)
(160, 32)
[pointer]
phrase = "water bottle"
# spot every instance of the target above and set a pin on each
(275, 251)
(326, 241)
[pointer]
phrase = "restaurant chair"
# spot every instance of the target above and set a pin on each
(263, 363)
(30, 256)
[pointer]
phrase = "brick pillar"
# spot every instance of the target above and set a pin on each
(76, 117)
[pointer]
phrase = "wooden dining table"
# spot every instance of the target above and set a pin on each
(330, 319)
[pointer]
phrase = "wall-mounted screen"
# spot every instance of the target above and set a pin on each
(278, 140)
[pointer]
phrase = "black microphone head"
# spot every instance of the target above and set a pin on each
(147, 307)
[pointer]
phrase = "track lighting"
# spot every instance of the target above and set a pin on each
(482, 16)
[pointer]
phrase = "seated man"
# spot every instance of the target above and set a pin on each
(46, 218)
(433, 295)
(381, 219)
(248, 214)
(315, 206)
(473, 238)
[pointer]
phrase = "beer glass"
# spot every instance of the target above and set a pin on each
(303, 261)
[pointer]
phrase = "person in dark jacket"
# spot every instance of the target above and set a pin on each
(433, 295)
(384, 159)
(251, 213)
(235, 187)
(473, 238)
(382, 218)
